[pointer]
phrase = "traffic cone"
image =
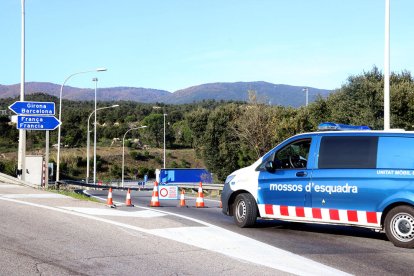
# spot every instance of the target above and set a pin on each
(182, 199)
(155, 200)
(200, 197)
(109, 201)
(128, 202)
(221, 205)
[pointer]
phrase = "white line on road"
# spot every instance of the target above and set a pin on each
(115, 213)
(34, 196)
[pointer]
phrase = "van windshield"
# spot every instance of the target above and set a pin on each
(292, 156)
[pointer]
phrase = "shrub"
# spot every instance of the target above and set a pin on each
(8, 167)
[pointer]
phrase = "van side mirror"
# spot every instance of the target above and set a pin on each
(270, 166)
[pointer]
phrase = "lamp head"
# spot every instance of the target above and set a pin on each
(101, 69)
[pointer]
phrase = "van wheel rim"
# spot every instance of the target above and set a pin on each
(241, 210)
(402, 227)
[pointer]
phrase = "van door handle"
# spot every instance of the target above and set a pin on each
(301, 174)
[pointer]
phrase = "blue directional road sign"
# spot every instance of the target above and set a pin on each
(33, 108)
(37, 122)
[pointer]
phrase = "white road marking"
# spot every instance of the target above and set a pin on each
(8, 186)
(240, 247)
(115, 213)
(222, 241)
(231, 244)
(34, 196)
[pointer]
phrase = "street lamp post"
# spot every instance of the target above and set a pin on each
(387, 112)
(94, 135)
(88, 139)
(21, 154)
(306, 90)
(164, 138)
(123, 152)
(60, 116)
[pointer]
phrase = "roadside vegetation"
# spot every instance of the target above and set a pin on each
(222, 136)
(72, 193)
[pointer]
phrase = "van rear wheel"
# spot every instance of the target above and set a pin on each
(245, 210)
(399, 226)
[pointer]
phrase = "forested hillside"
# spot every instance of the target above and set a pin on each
(225, 135)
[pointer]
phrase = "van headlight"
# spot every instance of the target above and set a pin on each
(229, 178)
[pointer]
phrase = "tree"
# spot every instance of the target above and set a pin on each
(221, 147)
(360, 101)
(155, 129)
(197, 122)
(9, 134)
(402, 101)
(154, 133)
(254, 127)
(319, 112)
(182, 134)
(116, 171)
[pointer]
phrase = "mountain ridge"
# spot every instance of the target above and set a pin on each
(275, 94)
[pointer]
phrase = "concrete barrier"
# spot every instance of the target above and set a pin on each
(13, 180)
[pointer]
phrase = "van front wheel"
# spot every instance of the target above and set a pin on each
(245, 210)
(399, 226)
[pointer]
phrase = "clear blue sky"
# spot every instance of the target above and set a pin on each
(174, 44)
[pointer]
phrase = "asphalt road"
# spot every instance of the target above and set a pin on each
(43, 233)
(349, 249)
(48, 234)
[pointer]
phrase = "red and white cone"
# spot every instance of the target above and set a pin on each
(128, 202)
(200, 197)
(155, 199)
(109, 201)
(182, 199)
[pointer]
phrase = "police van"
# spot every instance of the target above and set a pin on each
(343, 175)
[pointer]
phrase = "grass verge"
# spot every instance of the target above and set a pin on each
(74, 194)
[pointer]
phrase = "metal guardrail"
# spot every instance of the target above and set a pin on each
(97, 186)
(148, 186)
(206, 186)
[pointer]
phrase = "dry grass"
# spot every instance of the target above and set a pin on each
(113, 156)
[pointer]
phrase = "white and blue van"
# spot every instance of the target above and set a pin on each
(344, 175)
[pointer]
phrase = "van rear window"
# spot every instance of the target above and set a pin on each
(348, 152)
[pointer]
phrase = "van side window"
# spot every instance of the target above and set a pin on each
(293, 156)
(348, 152)
(395, 153)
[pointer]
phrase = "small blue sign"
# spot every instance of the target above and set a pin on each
(37, 122)
(33, 108)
